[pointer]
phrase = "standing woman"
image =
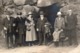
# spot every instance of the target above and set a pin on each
(30, 30)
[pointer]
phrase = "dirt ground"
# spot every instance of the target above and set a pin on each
(35, 49)
(38, 49)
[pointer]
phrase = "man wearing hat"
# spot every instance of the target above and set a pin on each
(59, 25)
(9, 28)
(20, 28)
(40, 27)
(9, 24)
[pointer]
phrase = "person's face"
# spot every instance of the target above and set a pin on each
(56, 29)
(15, 16)
(30, 17)
(18, 15)
(69, 12)
(41, 15)
(59, 16)
(24, 14)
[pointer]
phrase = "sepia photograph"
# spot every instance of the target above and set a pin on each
(39, 26)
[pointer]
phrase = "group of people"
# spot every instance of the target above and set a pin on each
(65, 28)
(23, 30)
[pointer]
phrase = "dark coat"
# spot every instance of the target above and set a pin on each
(20, 25)
(15, 27)
(41, 23)
(71, 22)
(9, 24)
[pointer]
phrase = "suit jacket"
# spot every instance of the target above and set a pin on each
(20, 25)
(41, 23)
(59, 23)
(9, 24)
(71, 22)
(15, 27)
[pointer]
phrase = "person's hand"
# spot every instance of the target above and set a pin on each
(45, 25)
(61, 29)
(4, 36)
(37, 29)
(5, 28)
(16, 30)
(14, 25)
(7, 16)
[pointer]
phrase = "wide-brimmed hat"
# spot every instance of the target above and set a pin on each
(59, 13)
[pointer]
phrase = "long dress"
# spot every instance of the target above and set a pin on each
(30, 31)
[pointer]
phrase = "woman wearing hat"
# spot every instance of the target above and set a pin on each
(58, 26)
(30, 30)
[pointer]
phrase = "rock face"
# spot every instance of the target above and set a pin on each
(43, 3)
(19, 2)
(0, 2)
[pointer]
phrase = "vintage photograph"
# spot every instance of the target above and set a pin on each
(39, 26)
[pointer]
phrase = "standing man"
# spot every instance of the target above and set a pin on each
(24, 16)
(8, 27)
(14, 29)
(20, 28)
(71, 23)
(40, 27)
